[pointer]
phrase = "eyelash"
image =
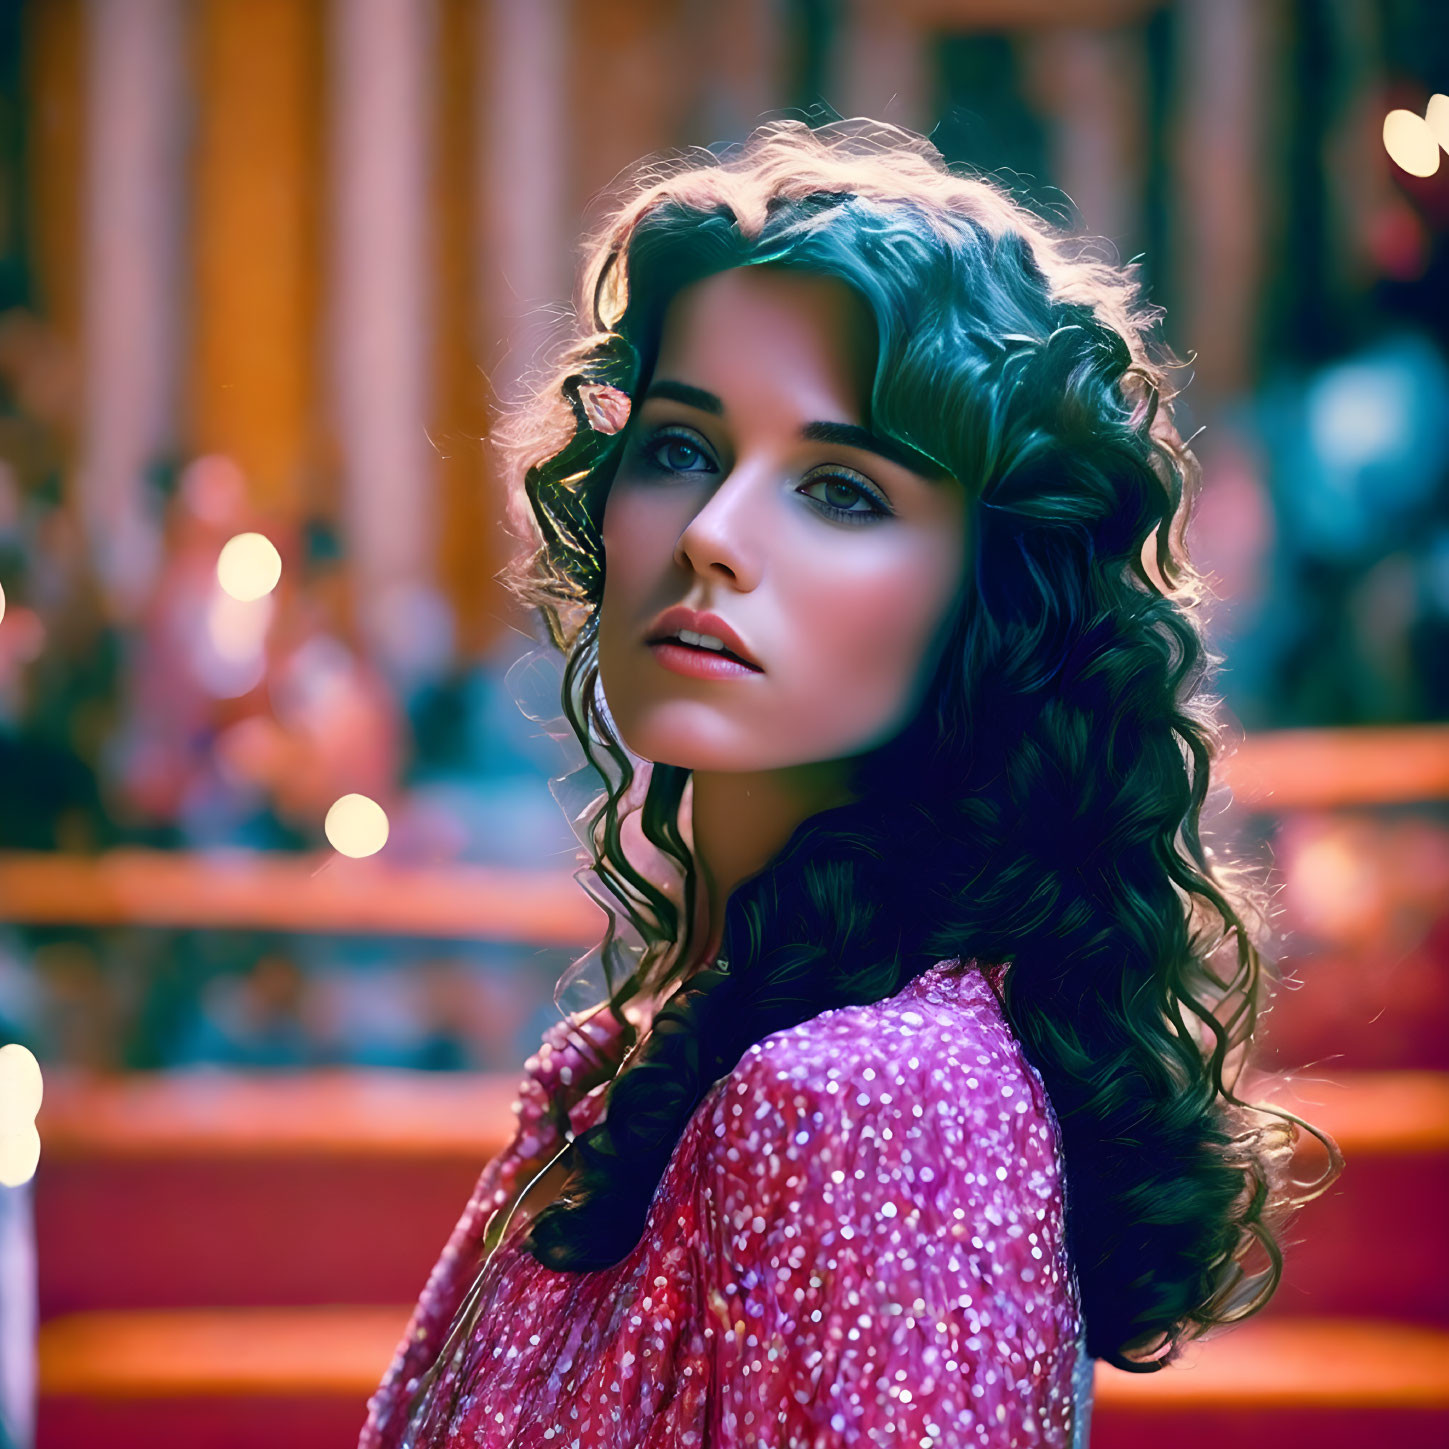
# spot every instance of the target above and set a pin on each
(653, 447)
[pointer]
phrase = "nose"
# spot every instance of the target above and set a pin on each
(720, 541)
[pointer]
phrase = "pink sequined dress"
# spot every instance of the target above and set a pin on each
(859, 1239)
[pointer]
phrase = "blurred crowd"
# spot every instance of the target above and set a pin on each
(208, 721)
(129, 999)
(204, 722)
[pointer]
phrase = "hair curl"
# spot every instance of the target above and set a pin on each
(1042, 809)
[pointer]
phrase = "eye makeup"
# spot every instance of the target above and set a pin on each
(862, 487)
(675, 438)
(654, 448)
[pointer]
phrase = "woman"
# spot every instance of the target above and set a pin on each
(857, 515)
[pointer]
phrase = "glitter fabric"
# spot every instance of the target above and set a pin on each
(859, 1239)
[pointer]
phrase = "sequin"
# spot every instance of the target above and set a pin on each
(886, 1265)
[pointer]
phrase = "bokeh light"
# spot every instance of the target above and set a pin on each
(19, 1156)
(1411, 143)
(1437, 117)
(356, 826)
(236, 630)
(21, 1091)
(249, 566)
(2, 601)
(21, 1088)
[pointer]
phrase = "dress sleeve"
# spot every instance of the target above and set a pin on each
(536, 1136)
(885, 1250)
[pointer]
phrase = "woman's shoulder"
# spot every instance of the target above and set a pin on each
(945, 1028)
(881, 1187)
(940, 1050)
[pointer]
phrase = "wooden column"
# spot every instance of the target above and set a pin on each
(55, 142)
(881, 66)
(131, 245)
(256, 178)
(633, 71)
(745, 81)
(1091, 84)
(525, 217)
(469, 538)
(379, 333)
(1223, 62)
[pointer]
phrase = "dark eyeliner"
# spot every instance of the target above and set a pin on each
(880, 506)
(649, 448)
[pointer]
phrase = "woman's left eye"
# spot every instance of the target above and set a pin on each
(845, 498)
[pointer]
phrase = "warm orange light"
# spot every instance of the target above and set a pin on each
(356, 826)
(249, 566)
(1411, 143)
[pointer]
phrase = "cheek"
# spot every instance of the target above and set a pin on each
(627, 564)
(877, 624)
(639, 540)
(866, 640)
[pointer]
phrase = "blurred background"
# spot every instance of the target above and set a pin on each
(266, 268)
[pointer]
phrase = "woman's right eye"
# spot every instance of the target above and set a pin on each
(677, 452)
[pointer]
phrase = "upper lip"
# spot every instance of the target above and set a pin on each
(671, 621)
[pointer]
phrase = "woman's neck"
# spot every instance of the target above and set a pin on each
(740, 822)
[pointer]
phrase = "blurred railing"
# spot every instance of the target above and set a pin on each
(322, 893)
(359, 1113)
(1326, 769)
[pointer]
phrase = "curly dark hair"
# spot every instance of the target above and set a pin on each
(1042, 808)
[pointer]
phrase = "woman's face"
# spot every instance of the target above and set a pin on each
(751, 491)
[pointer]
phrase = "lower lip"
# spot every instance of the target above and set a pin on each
(698, 663)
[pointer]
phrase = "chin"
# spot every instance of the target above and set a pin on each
(690, 740)
(689, 752)
(693, 736)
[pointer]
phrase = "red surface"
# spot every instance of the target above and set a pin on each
(137, 1234)
(295, 1423)
(198, 1423)
(1363, 1013)
(1269, 1429)
(1374, 1245)
(171, 1234)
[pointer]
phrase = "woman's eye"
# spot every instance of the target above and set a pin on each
(846, 499)
(677, 453)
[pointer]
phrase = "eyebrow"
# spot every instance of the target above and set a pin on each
(846, 435)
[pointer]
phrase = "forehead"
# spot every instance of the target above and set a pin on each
(770, 325)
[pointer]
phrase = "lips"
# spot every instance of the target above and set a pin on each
(671, 621)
